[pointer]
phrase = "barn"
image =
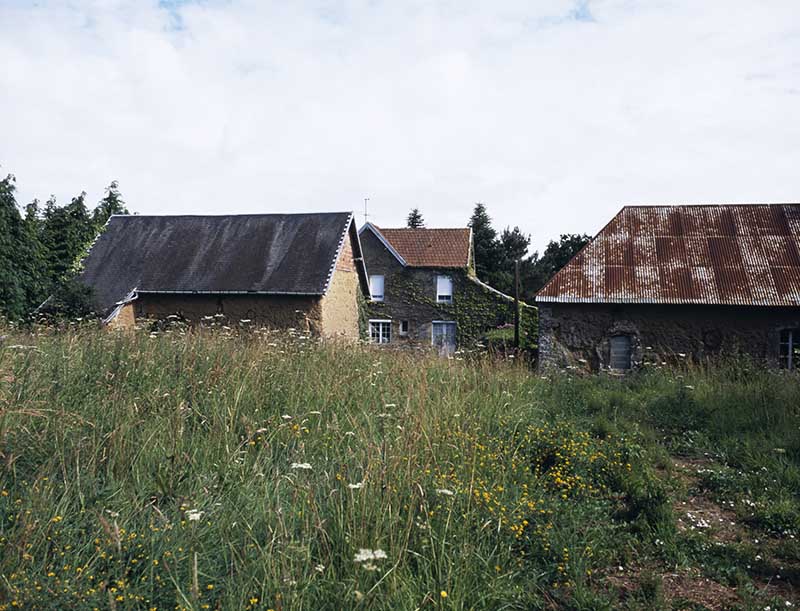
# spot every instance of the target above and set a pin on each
(670, 283)
(302, 271)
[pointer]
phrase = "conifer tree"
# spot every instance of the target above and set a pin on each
(414, 219)
(12, 293)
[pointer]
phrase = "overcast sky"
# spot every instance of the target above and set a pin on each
(555, 113)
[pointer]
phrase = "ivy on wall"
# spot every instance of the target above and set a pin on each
(477, 311)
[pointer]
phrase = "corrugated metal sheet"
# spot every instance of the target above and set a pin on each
(738, 254)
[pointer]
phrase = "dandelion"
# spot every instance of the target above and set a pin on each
(300, 465)
(443, 594)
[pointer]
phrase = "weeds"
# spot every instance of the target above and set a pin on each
(194, 470)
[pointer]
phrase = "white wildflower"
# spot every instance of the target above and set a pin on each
(369, 555)
(194, 515)
(286, 417)
(444, 491)
(320, 568)
(357, 486)
(300, 465)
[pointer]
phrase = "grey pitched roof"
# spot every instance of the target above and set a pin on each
(258, 253)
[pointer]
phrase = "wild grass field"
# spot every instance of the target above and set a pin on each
(215, 470)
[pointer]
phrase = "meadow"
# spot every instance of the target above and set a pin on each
(224, 470)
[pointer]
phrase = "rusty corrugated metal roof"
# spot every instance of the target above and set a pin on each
(726, 254)
(425, 247)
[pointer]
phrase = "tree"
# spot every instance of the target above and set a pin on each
(111, 204)
(485, 244)
(414, 219)
(556, 255)
(513, 247)
(12, 292)
(67, 233)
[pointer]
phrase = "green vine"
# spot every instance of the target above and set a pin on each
(479, 313)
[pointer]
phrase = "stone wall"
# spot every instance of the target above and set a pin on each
(577, 335)
(410, 295)
(303, 313)
(340, 304)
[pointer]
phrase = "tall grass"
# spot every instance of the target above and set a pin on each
(213, 471)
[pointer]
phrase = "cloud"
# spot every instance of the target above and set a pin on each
(554, 113)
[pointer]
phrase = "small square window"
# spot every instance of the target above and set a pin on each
(444, 289)
(376, 287)
(403, 328)
(380, 331)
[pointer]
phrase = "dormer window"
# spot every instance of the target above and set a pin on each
(376, 287)
(444, 289)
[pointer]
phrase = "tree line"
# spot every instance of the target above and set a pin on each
(496, 253)
(41, 248)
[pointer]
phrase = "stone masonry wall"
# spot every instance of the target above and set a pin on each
(410, 294)
(303, 313)
(577, 335)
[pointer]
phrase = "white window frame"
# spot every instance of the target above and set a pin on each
(383, 287)
(792, 341)
(403, 332)
(381, 335)
(444, 297)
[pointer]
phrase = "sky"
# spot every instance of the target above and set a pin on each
(553, 113)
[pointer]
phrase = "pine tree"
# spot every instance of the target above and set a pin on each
(67, 233)
(414, 219)
(34, 258)
(485, 244)
(111, 204)
(12, 292)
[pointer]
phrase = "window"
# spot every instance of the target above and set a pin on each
(376, 287)
(403, 328)
(444, 289)
(620, 348)
(380, 331)
(789, 353)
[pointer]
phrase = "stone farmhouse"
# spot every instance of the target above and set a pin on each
(424, 290)
(302, 271)
(665, 283)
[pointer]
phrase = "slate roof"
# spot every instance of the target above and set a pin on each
(425, 247)
(727, 254)
(249, 253)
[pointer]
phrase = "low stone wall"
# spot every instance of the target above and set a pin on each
(303, 313)
(578, 335)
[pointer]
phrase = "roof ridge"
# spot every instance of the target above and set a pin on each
(238, 214)
(711, 205)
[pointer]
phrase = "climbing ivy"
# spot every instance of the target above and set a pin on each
(476, 310)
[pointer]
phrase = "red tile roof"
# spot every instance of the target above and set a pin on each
(745, 254)
(431, 247)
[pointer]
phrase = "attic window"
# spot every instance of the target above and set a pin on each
(789, 353)
(376, 287)
(444, 289)
(620, 352)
